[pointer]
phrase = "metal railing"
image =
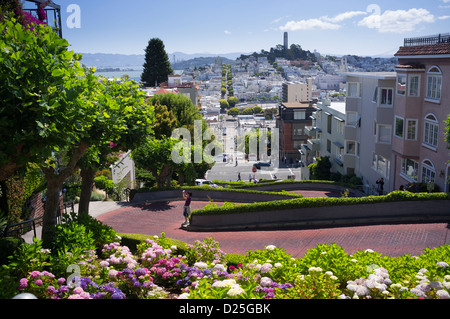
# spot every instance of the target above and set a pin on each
(19, 227)
(428, 40)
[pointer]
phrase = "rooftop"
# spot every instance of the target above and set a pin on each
(375, 75)
(297, 104)
(429, 45)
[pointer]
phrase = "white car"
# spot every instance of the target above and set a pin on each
(201, 182)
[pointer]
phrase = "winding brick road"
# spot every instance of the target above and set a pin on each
(390, 240)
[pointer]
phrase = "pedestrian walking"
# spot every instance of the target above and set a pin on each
(380, 184)
(187, 207)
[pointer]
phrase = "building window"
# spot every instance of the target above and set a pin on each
(410, 169)
(431, 129)
(399, 127)
(414, 85)
(340, 127)
(298, 130)
(401, 84)
(351, 147)
(353, 89)
(352, 119)
(375, 95)
(329, 123)
(434, 84)
(386, 97)
(381, 164)
(384, 134)
(411, 129)
(328, 146)
(299, 115)
(428, 172)
(340, 153)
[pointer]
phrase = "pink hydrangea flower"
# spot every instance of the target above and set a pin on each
(23, 283)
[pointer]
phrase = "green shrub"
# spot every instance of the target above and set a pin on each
(7, 247)
(319, 202)
(70, 234)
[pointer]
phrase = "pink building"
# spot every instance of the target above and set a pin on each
(422, 103)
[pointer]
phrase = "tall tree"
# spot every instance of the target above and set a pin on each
(157, 66)
(135, 118)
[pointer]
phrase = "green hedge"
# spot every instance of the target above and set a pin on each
(209, 188)
(242, 184)
(305, 202)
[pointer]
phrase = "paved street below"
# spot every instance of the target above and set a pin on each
(390, 240)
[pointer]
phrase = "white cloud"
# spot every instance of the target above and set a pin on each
(227, 32)
(322, 23)
(344, 16)
(444, 17)
(310, 24)
(397, 21)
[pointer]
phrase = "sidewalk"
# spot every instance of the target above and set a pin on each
(96, 208)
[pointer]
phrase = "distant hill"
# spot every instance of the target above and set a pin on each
(109, 60)
(198, 62)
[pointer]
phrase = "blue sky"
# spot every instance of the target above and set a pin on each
(373, 27)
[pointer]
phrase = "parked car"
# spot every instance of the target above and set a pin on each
(202, 182)
(252, 157)
(258, 165)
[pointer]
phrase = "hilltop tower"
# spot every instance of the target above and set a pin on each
(286, 42)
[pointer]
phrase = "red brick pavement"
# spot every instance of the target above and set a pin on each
(390, 240)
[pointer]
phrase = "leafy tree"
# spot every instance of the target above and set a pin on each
(157, 66)
(165, 121)
(154, 155)
(320, 170)
(224, 105)
(136, 118)
(232, 101)
(233, 111)
(181, 106)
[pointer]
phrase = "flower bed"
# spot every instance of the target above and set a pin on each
(157, 270)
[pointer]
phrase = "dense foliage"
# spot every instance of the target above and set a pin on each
(103, 268)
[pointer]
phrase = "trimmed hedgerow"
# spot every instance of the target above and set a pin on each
(306, 202)
(209, 188)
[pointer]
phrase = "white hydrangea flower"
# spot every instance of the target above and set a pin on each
(271, 247)
(235, 290)
(201, 265)
(443, 294)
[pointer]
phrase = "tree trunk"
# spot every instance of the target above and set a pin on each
(55, 182)
(87, 183)
(52, 209)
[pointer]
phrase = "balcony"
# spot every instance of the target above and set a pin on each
(312, 131)
(314, 145)
(52, 13)
(429, 40)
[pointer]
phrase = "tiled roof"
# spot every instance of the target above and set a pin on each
(434, 49)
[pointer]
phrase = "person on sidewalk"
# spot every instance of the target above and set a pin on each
(380, 184)
(187, 207)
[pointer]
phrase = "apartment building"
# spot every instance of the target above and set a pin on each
(295, 92)
(422, 104)
(187, 89)
(291, 120)
(368, 131)
(327, 135)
